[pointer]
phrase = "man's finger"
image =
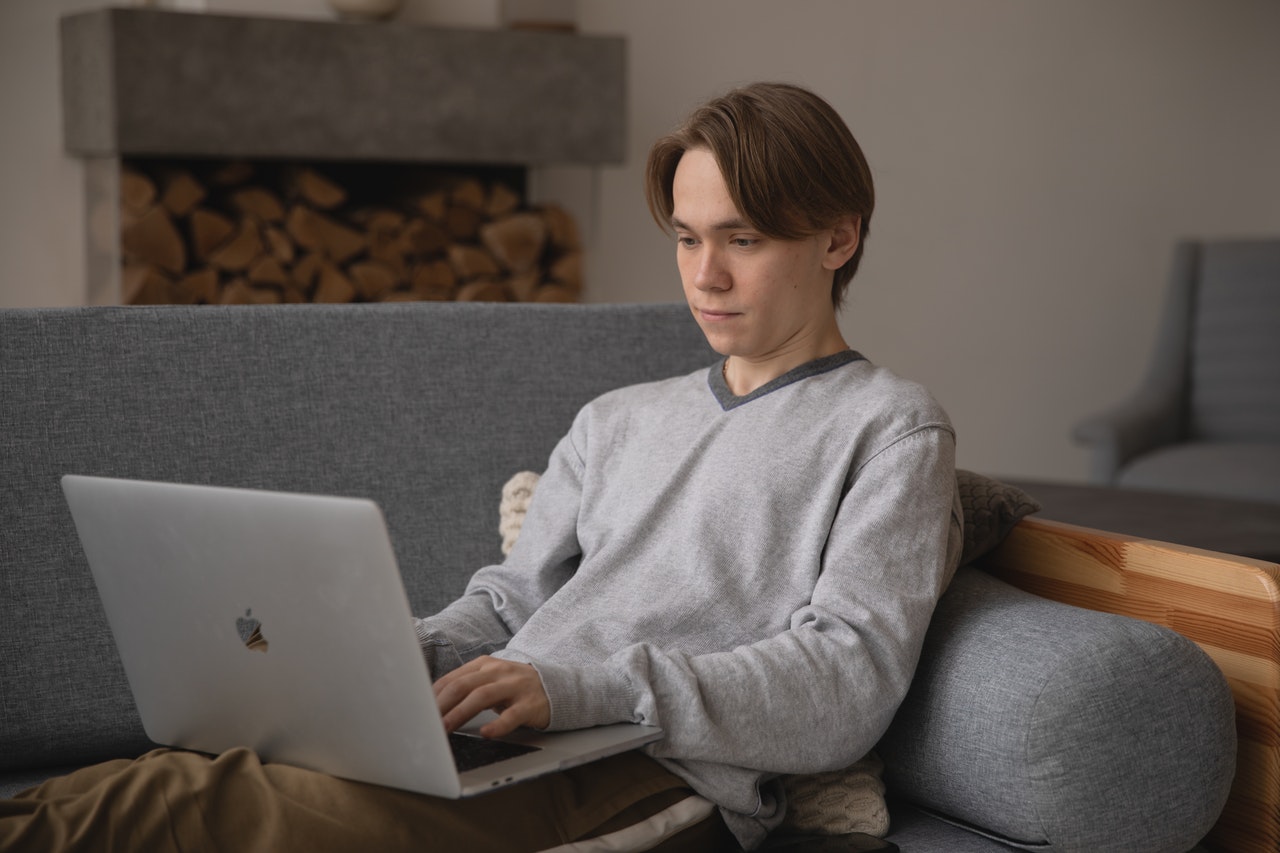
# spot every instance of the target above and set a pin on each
(513, 690)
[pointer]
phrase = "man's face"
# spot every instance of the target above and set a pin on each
(755, 297)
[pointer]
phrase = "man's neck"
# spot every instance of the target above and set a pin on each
(744, 374)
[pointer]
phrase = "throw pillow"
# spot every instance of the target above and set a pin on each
(837, 802)
(516, 494)
(991, 509)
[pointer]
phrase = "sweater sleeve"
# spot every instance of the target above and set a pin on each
(487, 615)
(818, 695)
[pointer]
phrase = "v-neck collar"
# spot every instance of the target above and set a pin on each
(728, 400)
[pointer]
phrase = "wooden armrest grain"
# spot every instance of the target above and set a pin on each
(1230, 606)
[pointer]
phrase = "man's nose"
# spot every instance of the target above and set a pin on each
(711, 273)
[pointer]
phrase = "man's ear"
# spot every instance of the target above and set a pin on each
(844, 242)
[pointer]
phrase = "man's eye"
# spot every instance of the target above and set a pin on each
(743, 242)
(686, 242)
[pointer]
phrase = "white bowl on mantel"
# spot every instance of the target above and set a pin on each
(365, 10)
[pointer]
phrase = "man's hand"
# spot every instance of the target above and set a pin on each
(513, 690)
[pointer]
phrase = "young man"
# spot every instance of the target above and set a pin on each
(747, 556)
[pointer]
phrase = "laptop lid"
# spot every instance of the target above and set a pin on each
(279, 622)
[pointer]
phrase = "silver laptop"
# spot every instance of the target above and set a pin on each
(279, 622)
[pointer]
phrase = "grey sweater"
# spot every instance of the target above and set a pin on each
(753, 574)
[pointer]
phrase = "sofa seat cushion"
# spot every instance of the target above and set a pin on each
(916, 831)
(1244, 470)
(1057, 728)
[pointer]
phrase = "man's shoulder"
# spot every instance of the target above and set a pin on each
(872, 388)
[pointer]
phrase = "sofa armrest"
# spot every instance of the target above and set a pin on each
(1230, 606)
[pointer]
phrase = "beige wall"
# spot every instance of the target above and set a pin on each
(1035, 161)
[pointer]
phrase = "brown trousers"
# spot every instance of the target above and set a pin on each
(170, 800)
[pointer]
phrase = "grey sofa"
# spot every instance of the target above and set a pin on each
(1031, 723)
(1206, 417)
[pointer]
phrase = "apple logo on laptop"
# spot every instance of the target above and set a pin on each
(250, 630)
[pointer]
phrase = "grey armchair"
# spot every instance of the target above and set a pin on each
(1206, 419)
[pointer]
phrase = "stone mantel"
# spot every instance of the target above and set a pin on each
(152, 83)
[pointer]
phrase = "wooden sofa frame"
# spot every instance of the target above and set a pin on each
(1227, 605)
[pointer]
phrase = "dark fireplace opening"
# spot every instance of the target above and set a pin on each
(220, 231)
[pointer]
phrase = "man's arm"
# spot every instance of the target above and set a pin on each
(457, 642)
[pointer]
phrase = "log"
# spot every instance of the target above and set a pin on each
(503, 201)
(306, 272)
(209, 230)
(293, 294)
(516, 241)
(385, 248)
(144, 284)
(472, 262)
(433, 205)
(379, 220)
(319, 233)
(483, 290)
(562, 228)
(241, 250)
(468, 193)
(137, 192)
(258, 202)
(434, 281)
(525, 287)
(199, 286)
(266, 270)
(555, 293)
(462, 223)
(314, 188)
(279, 245)
(153, 239)
(373, 280)
(182, 192)
(240, 292)
(236, 292)
(301, 225)
(567, 271)
(423, 237)
(333, 285)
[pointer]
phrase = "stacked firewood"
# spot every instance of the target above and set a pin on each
(227, 238)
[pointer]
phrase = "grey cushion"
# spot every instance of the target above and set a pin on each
(1239, 470)
(1058, 728)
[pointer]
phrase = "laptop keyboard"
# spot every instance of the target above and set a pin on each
(470, 751)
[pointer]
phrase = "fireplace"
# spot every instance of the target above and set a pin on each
(245, 160)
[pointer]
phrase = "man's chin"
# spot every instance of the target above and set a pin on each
(717, 340)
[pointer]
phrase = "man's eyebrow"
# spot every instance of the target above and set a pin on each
(735, 224)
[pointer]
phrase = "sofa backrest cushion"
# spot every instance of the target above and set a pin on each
(1055, 728)
(425, 408)
(1235, 343)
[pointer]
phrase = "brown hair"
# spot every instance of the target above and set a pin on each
(790, 163)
